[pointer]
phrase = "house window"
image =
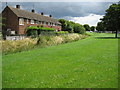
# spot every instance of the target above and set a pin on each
(21, 21)
(37, 22)
(44, 23)
(27, 21)
(48, 24)
(40, 22)
(53, 24)
(32, 21)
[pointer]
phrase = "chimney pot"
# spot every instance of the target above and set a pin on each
(18, 6)
(42, 13)
(50, 15)
(33, 10)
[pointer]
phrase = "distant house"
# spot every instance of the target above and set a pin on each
(17, 20)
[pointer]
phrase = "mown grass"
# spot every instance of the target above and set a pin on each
(87, 63)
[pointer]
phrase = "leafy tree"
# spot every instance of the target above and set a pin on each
(100, 26)
(71, 26)
(111, 20)
(92, 28)
(63, 24)
(79, 29)
(87, 27)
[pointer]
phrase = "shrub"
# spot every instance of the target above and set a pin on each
(46, 28)
(32, 31)
(79, 29)
(32, 28)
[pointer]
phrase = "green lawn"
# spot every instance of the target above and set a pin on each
(87, 63)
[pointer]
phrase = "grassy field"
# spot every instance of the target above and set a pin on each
(87, 63)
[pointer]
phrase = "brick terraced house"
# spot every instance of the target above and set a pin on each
(17, 20)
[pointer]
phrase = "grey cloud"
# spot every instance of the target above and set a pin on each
(62, 9)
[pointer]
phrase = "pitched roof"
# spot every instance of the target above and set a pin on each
(31, 15)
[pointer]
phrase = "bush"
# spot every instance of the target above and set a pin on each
(32, 28)
(32, 31)
(79, 29)
(46, 28)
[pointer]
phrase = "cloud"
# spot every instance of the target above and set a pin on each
(91, 19)
(61, 9)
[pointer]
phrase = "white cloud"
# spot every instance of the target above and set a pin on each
(91, 19)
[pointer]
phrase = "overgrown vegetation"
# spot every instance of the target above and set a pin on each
(41, 41)
(61, 32)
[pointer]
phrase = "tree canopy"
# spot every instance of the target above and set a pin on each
(92, 28)
(87, 27)
(111, 20)
(71, 26)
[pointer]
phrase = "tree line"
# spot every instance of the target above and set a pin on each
(73, 27)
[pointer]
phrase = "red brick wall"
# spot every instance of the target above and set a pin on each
(11, 20)
(23, 27)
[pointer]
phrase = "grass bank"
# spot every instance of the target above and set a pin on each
(9, 46)
(87, 63)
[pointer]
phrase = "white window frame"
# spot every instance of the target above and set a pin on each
(44, 23)
(32, 21)
(27, 21)
(21, 21)
(37, 22)
(53, 24)
(48, 23)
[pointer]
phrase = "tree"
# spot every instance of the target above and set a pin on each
(72, 26)
(79, 29)
(92, 28)
(100, 27)
(63, 24)
(111, 20)
(87, 27)
(69, 28)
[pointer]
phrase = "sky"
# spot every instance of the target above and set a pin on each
(79, 12)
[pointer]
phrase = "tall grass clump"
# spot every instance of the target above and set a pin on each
(55, 40)
(17, 46)
(41, 41)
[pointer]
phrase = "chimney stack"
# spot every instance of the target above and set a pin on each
(50, 15)
(18, 6)
(33, 11)
(42, 13)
